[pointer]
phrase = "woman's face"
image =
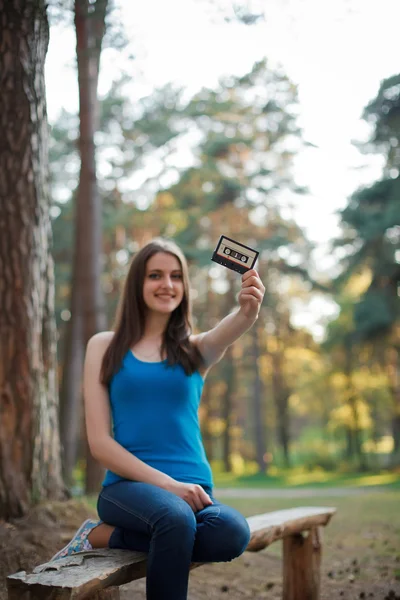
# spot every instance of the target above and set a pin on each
(163, 288)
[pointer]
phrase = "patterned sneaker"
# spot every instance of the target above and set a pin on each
(79, 542)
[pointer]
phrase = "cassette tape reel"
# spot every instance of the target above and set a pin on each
(233, 255)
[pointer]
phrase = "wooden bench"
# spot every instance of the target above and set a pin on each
(97, 574)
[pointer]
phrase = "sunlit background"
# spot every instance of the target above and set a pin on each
(337, 52)
(198, 136)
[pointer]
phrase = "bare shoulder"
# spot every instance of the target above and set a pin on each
(99, 342)
(195, 338)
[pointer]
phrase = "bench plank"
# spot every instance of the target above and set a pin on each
(270, 527)
(81, 575)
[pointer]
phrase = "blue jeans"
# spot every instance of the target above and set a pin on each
(150, 519)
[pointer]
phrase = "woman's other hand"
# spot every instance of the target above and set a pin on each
(192, 493)
(251, 295)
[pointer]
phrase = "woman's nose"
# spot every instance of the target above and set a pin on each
(167, 282)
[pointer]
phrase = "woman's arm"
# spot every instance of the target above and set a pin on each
(213, 344)
(109, 453)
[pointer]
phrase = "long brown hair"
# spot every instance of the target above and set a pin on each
(131, 317)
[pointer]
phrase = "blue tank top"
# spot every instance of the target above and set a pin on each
(154, 411)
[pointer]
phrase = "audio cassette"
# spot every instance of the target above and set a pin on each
(234, 255)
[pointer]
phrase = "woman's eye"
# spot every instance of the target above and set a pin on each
(157, 276)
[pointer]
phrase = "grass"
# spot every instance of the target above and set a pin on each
(301, 478)
(352, 511)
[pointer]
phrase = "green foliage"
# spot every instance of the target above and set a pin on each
(245, 138)
(367, 289)
(374, 210)
(375, 314)
(370, 222)
(384, 113)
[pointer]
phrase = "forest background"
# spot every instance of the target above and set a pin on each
(281, 398)
(319, 399)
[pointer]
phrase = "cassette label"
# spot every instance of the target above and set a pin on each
(233, 255)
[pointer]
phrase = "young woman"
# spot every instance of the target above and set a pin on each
(146, 379)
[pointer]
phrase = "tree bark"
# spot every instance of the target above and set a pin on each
(30, 465)
(206, 399)
(257, 397)
(230, 378)
(350, 445)
(393, 373)
(352, 401)
(281, 397)
(90, 28)
(227, 409)
(71, 410)
(89, 25)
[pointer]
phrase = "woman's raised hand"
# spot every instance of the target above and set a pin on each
(192, 493)
(251, 295)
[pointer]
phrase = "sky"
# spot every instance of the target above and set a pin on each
(336, 51)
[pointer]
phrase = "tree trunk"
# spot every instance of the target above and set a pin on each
(356, 433)
(30, 465)
(352, 402)
(229, 373)
(89, 25)
(71, 412)
(85, 278)
(396, 438)
(281, 397)
(393, 372)
(350, 446)
(206, 324)
(227, 409)
(257, 396)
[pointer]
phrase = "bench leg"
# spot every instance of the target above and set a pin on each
(301, 566)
